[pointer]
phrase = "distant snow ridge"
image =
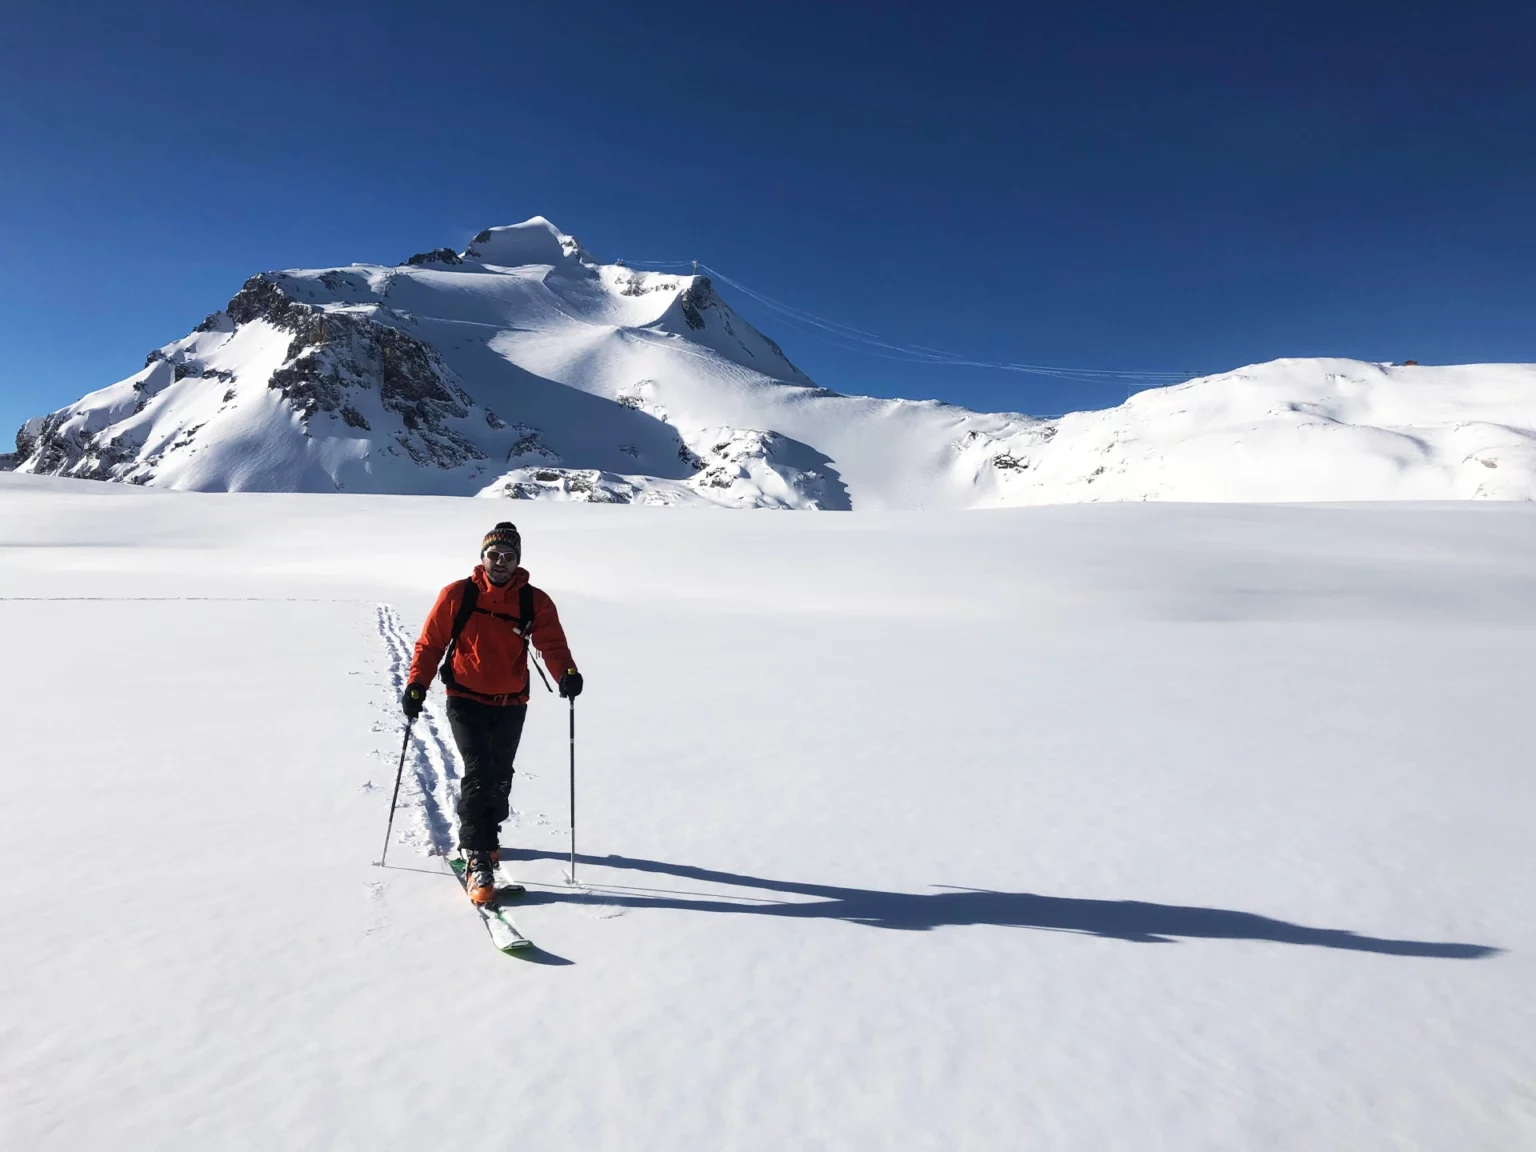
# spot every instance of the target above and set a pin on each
(523, 368)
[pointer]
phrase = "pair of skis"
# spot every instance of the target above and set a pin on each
(498, 923)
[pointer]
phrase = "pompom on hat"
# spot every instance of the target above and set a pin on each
(504, 535)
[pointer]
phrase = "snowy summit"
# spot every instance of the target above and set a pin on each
(522, 367)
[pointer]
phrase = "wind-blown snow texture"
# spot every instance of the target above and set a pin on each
(1128, 828)
(524, 368)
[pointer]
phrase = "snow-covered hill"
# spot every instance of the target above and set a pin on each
(522, 367)
(1313, 429)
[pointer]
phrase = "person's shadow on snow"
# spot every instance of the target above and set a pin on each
(1132, 920)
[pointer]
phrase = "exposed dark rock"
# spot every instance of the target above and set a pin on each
(584, 485)
(730, 330)
(633, 284)
(699, 296)
(260, 298)
(308, 382)
(180, 369)
(494, 420)
(411, 372)
(779, 352)
(334, 353)
(211, 323)
(26, 442)
(45, 447)
(186, 437)
(53, 452)
(1009, 461)
(437, 256)
(529, 443)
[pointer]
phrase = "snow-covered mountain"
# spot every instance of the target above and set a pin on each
(522, 367)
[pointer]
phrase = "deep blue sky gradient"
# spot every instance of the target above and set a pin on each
(1182, 186)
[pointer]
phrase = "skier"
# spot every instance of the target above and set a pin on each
(487, 676)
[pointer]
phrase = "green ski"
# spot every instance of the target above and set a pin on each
(504, 933)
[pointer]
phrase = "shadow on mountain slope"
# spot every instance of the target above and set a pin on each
(1130, 920)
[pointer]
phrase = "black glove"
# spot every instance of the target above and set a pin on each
(415, 696)
(570, 684)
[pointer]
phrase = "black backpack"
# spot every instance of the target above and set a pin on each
(468, 606)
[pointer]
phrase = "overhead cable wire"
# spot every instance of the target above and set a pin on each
(852, 339)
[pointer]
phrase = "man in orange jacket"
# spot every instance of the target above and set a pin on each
(487, 676)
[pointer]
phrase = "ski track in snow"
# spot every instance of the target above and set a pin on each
(434, 762)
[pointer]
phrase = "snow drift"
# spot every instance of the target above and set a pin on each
(523, 367)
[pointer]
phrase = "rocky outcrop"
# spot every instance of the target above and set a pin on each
(530, 444)
(595, 486)
(260, 298)
(51, 448)
(436, 256)
(27, 436)
(751, 467)
(340, 362)
(698, 296)
(336, 355)
(579, 486)
(181, 369)
(737, 468)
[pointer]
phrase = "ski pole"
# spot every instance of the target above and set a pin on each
(573, 790)
(400, 771)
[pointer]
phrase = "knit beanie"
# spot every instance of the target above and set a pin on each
(504, 536)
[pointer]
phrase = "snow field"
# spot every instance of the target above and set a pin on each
(1113, 827)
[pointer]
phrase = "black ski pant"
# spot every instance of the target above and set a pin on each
(487, 736)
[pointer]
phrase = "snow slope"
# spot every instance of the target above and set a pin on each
(523, 367)
(1299, 430)
(1128, 827)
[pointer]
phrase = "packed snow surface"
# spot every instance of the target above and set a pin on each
(524, 368)
(1119, 827)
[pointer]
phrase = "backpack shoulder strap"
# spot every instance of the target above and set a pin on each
(525, 624)
(460, 618)
(466, 610)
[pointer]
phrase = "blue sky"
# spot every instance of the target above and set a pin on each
(1174, 187)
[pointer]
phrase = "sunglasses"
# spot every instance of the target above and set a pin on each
(495, 557)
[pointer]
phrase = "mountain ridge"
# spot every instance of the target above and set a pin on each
(522, 367)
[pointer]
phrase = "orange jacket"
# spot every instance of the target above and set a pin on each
(490, 658)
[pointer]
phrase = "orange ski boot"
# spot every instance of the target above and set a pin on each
(480, 878)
